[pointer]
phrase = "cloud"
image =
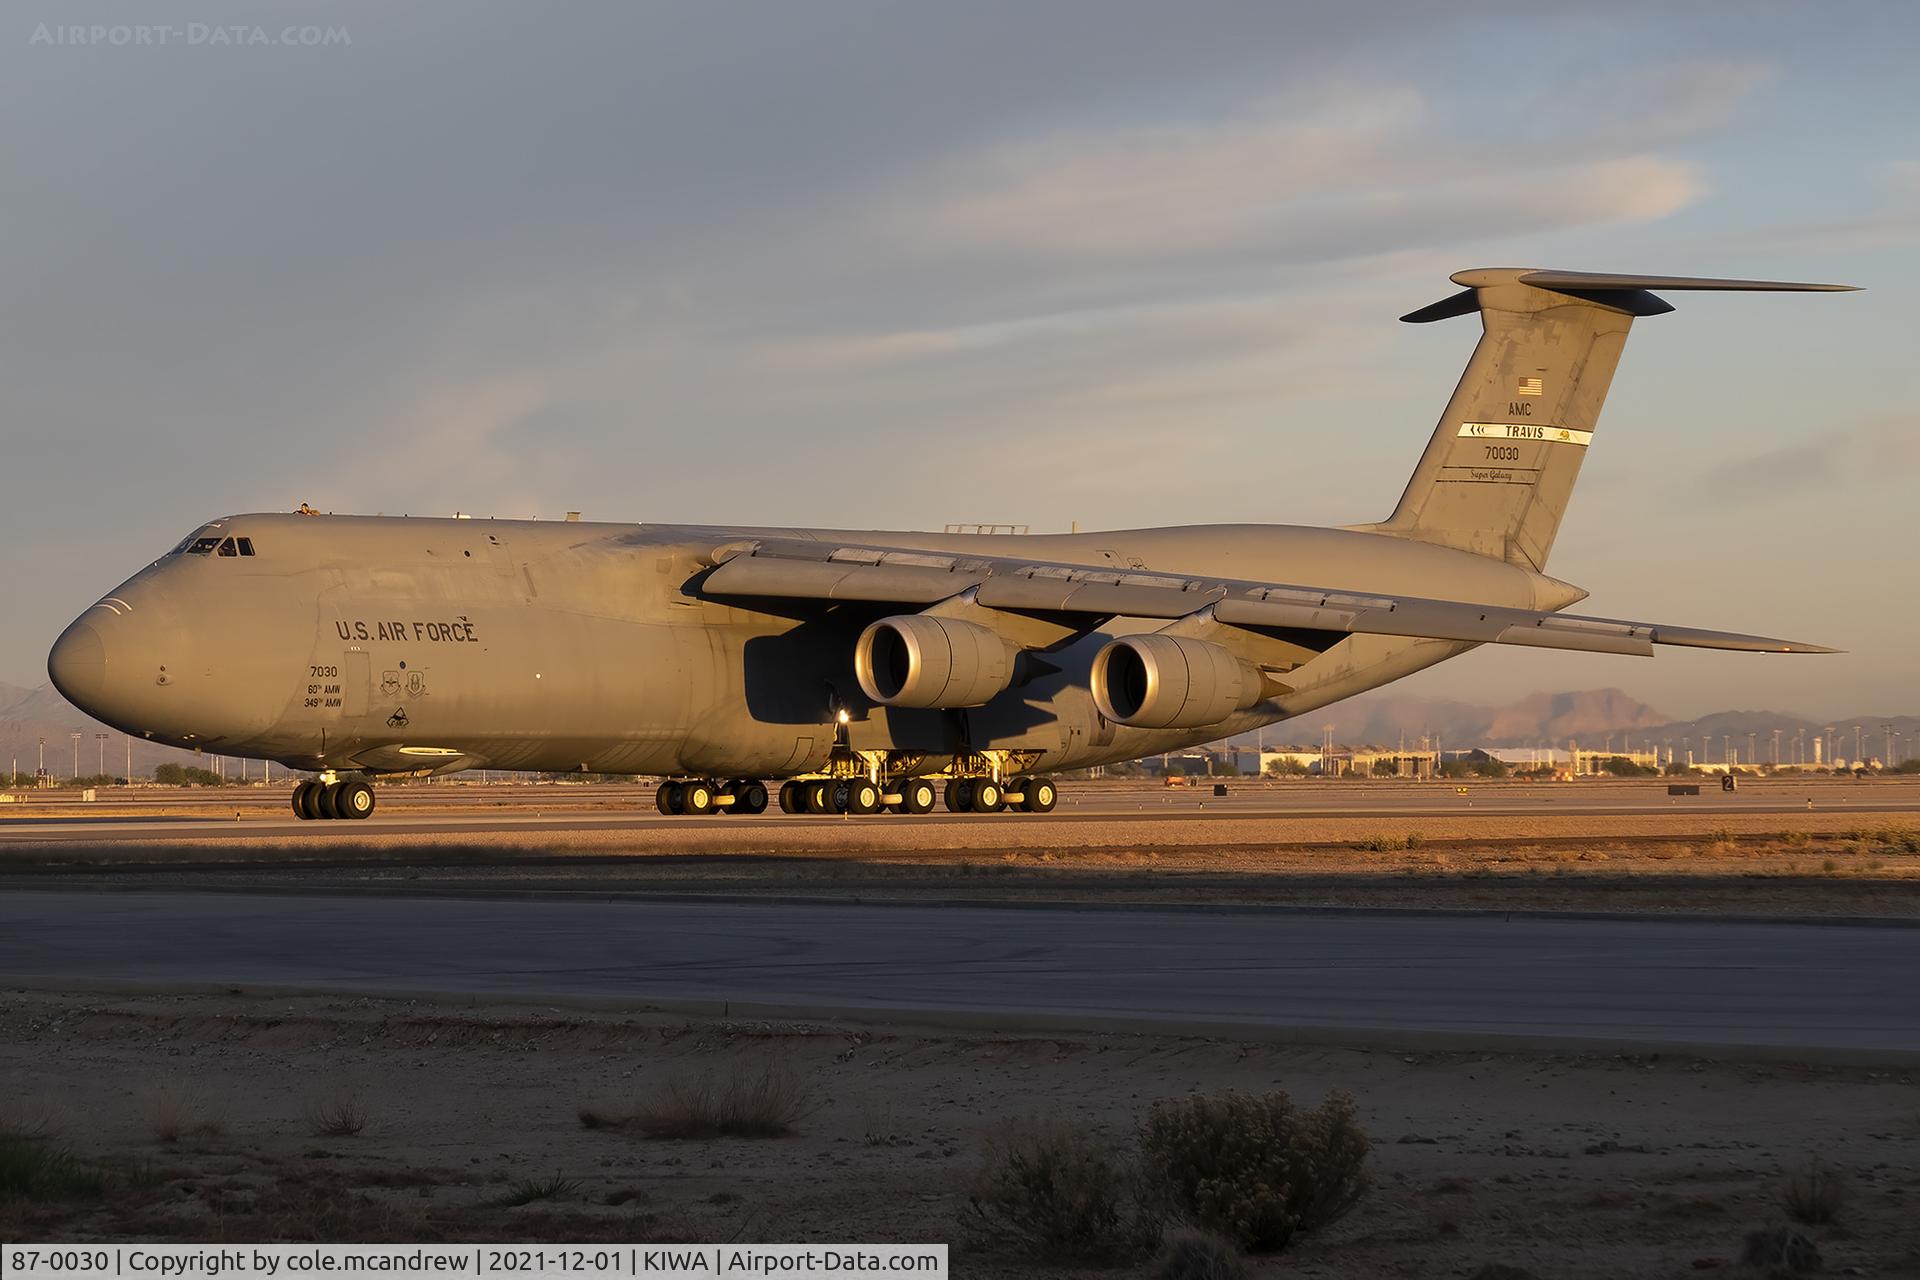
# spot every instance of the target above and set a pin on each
(1891, 222)
(1342, 170)
(1856, 458)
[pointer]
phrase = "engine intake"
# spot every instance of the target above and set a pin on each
(921, 660)
(1158, 681)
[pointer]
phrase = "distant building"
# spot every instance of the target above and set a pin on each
(1250, 761)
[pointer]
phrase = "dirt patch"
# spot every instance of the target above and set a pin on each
(1642, 1165)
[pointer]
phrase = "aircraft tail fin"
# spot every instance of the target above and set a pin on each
(1496, 476)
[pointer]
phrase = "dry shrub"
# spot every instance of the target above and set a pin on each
(173, 1109)
(1814, 1194)
(880, 1128)
(1199, 1258)
(1258, 1170)
(1062, 1194)
(742, 1099)
(528, 1190)
(30, 1116)
(35, 1169)
(1897, 839)
(1782, 1251)
(340, 1114)
(1796, 839)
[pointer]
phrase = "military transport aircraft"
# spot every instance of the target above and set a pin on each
(863, 668)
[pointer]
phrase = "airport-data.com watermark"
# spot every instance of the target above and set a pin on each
(187, 35)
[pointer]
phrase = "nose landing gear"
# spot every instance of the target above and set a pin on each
(326, 797)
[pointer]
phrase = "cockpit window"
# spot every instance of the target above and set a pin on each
(215, 545)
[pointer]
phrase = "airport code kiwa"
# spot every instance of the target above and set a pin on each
(196, 1262)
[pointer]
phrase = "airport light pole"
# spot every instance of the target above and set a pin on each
(101, 740)
(76, 755)
(1856, 746)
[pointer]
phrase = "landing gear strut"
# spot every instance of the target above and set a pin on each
(326, 797)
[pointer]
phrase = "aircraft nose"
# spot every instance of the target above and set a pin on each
(78, 665)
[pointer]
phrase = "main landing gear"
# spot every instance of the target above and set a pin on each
(327, 797)
(856, 795)
(984, 795)
(700, 796)
(860, 796)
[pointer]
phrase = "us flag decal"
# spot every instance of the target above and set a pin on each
(1528, 387)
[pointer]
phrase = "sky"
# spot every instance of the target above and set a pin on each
(897, 265)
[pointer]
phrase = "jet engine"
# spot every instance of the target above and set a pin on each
(1158, 681)
(923, 660)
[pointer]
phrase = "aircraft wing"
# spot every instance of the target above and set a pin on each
(796, 569)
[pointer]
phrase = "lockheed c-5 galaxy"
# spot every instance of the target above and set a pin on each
(859, 667)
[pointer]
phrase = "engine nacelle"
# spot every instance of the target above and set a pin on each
(1158, 681)
(922, 660)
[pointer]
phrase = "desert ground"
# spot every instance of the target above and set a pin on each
(207, 1110)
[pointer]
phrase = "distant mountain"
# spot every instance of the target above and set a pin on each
(1592, 717)
(1550, 716)
(1385, 718)
(28, 715)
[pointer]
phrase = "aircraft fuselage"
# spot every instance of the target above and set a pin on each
(396, 644)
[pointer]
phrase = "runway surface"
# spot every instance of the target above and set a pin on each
(1767, 985)
(453, 811)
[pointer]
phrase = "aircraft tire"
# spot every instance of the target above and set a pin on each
(960, 795)
(1041, 795)
(863, 797)
(987, 796)
(916, 796)
(354, 800)
(791, 801)
(326, 801)
(303, 802)
(667, 798)
(818, 796)
(696, 797)
(749, 796)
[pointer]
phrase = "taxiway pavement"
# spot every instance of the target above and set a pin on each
(1463, 979)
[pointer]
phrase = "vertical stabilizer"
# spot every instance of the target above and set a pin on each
(1496, 476)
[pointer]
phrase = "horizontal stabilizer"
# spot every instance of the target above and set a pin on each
(1614, 280)
(1615, 290)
